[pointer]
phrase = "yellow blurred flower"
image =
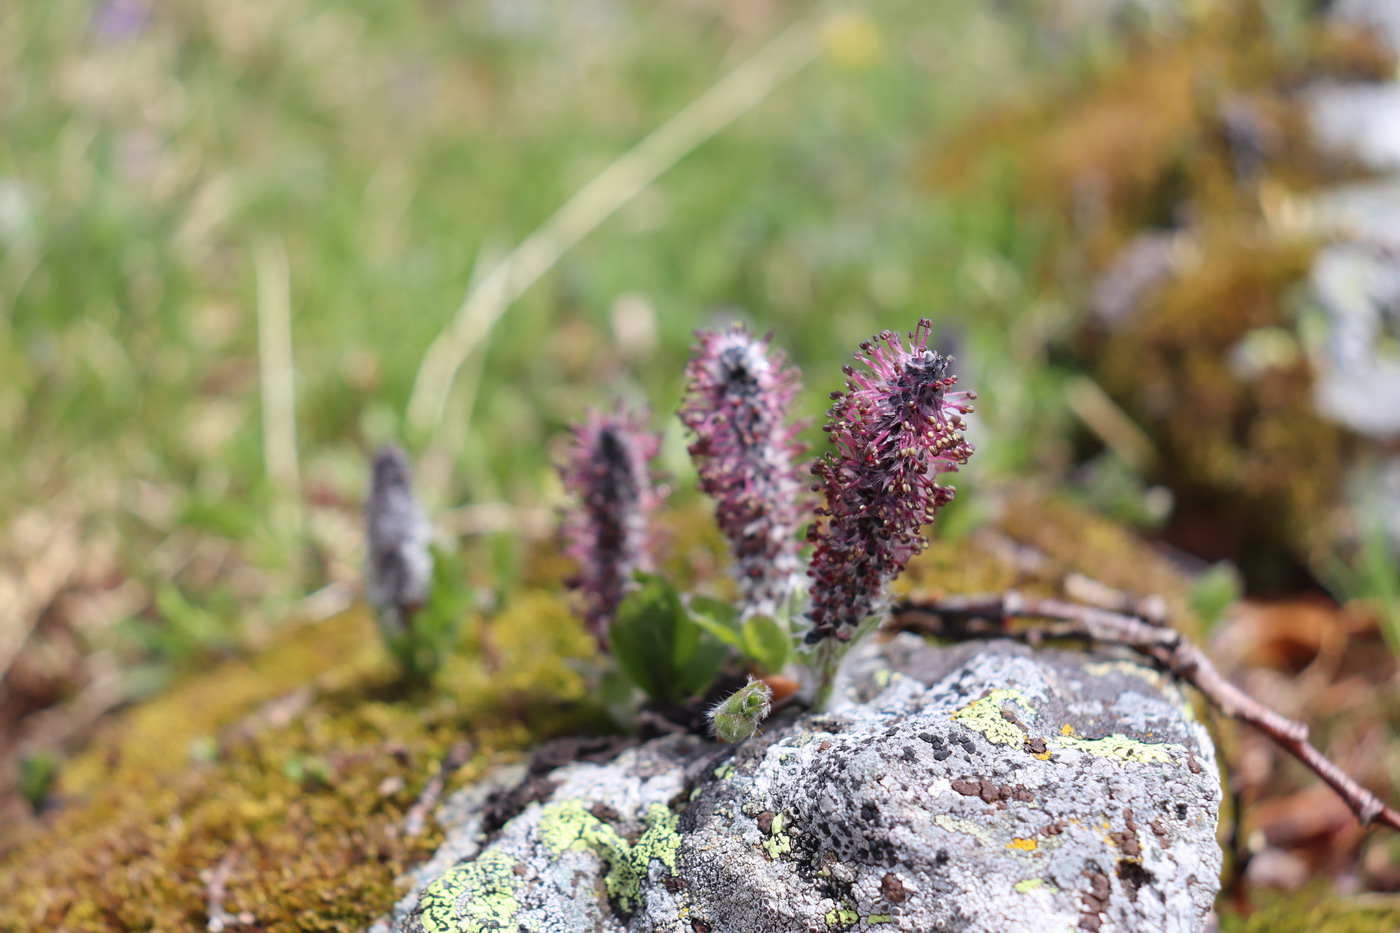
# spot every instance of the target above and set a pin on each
(852, 40)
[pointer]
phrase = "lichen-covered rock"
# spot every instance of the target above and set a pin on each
(1356, 362)
(986, 787)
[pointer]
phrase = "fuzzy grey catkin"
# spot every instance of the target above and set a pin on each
(399, 564)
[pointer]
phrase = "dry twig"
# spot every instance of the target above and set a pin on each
(277, 373)
(731, 97)
(969, 617)
(416, 818)
(216, 891)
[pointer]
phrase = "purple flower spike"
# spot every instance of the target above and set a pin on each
(895, 429)
(608, 535)
(737, 404)
(399, 564)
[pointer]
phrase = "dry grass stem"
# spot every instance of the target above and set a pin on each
(487, 299)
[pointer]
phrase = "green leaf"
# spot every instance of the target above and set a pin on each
(721, 633)
(37, 773)
(695, 673)
(618, 694)
(660, 646)
(646, 638)
(768, 642)
(433, 631)
(719, 619)
(716, 610)
(1214, 591)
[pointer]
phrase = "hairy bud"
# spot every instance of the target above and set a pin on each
(399, 565)
(738, 716)
(737, 404)
(608, 533)
(895, 429)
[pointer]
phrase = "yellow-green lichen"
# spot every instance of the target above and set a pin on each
(1034, 884)
(985, 716)
(778, 842)
(873, 919)
(568, 826)
(965, 827)
(485, 888)
(1119, 748)
(1105, 668)
(842, 916)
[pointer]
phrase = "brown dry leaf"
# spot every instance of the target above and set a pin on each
(1313, 824)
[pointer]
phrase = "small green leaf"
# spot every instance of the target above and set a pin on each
(37, 773)
(694, 674)
(618, 694)
(720, 631)
(660, 646)
(1214, 591)
(767, 642)
(718, 618)
(645, 636)
(716, 610)
(433, 630)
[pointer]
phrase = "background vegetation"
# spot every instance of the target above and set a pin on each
(182, 183)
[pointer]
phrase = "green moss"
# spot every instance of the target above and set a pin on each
(1233, 445)
(962, 566)
(1075, 539)
(215, 772)
(1316, 909)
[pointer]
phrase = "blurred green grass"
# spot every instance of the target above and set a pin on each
(149, 150)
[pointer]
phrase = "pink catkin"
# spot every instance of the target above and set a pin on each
(895, 430)
(608, 534)
(737, 404)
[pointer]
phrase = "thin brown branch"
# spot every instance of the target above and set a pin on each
(216, 892)
(965, 617)
(416, 818)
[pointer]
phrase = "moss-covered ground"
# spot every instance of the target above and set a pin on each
(1201, 133)
(294, 770)
(1317, 908)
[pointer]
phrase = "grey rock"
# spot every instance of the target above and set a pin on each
(1354, 337)
(985, 787)
(1360, 121)
(1381, 17)
(1373, 487)
(1364, 211)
